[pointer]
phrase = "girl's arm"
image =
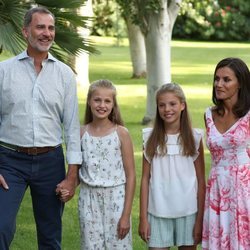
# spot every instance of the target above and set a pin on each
(200, 173)
(129, 168)
(144, 228)
(64, 193)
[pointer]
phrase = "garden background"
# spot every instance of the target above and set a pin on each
(192, 67)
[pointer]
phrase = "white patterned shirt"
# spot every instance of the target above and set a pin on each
(36, 109)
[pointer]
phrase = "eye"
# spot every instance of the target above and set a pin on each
(52, 28)
(108, 101)
(227, 79)
(173, 103)
(97, 99)
(40, 27)
(216, 79)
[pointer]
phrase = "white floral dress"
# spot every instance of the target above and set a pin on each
(227, 208)
(102, 193)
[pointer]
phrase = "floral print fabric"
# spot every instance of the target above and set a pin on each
(102, 193)
(99, 212)
(227, 208)
(102, 164)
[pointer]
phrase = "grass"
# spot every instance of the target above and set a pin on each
(192, 66)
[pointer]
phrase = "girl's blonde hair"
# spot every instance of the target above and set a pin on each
(157, 139)
(115, 115)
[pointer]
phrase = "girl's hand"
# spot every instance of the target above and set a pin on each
(123, 227)
(144, 230)
(64, 195)
(197, 233)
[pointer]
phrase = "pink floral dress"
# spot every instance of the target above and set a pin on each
(227, 208)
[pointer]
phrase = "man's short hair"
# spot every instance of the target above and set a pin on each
(30, 12)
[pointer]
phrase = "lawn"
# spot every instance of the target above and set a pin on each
(192, 67)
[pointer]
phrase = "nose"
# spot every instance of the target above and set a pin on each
(167, 107)
(102, 103)
(218, 82)
(46, 32)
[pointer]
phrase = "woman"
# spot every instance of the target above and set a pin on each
(226, 223)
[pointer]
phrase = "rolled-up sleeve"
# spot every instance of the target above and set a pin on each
(71, 124)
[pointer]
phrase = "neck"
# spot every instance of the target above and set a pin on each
(228, 105)
(172, 130)
(37, 55)
(38, 58)
(100, 128)
(101, 124)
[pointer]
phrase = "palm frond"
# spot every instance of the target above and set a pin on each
(73, 43)
(64, 4)
(10, 39)
(68, 40)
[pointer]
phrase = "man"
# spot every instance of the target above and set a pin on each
(38, 105)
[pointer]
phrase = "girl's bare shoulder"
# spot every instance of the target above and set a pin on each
(122, 132)
(83, 129)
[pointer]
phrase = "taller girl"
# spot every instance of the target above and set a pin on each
(107, 175)
(173, 179)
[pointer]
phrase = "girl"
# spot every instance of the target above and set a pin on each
(107, 175)
(173, 179)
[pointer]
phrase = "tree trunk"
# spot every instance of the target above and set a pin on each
(82, 61)
(157, 41)
(137, 49)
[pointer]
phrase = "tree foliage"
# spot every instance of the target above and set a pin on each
(199, 20)
(214, 20)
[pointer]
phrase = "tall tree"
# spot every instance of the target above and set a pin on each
(136, 39)
(156, 19)
(68, 42)
(82, 60)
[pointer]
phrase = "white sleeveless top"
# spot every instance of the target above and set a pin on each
(173, 182)
(102, 164)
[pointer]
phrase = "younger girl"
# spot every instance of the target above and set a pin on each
(107, 175)
(173, 179)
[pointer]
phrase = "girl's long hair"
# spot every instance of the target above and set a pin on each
(157, 139)
(242, 74)
(115, 115)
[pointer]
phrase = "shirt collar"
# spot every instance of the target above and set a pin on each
(24, 55)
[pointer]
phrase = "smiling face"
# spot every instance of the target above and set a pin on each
(40, 33)
(226, 84)
(170, 108)
(101, 102)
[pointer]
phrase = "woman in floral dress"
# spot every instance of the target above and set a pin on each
(227, 208)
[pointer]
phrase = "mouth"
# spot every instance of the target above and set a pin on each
(168, 115)
(100, 111)
(45, 41)
(219, 91)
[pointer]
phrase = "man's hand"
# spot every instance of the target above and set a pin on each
(3, 183)
(66, 188)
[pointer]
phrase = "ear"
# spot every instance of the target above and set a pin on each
(25, 32)
(183, 106)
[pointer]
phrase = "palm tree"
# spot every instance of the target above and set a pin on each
(68, 41)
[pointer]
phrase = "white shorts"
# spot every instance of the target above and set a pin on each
(167, 232)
